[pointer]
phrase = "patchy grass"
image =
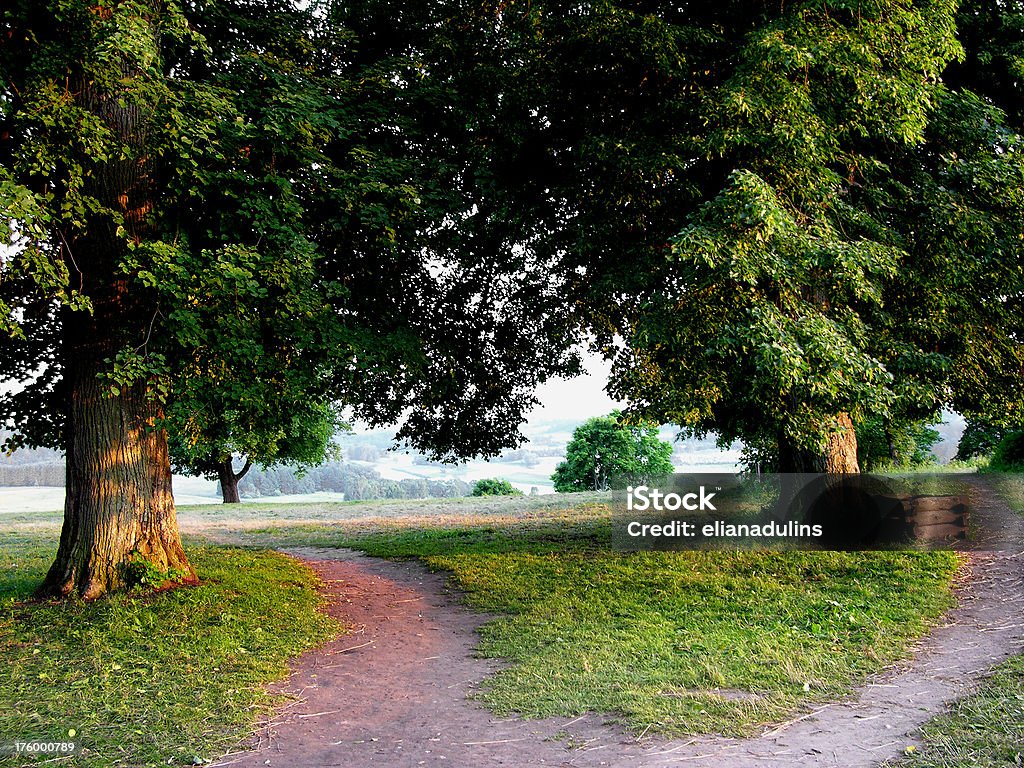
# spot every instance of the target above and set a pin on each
(685, 642)
(672, 643)
(328, 511)
(585, 528)
(696, 642)
(1010, 486)
(147, 680)
(984, 730)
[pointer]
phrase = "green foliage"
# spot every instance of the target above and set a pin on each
(298, 244)
(494, 486)
(762, 327)
(769, 216)
(607, 452)
(882, 445)
(294, 432)
(994, 54)
(1009, 454)
(979, 440)
(144, 574)
(188, 666)
(960, 209)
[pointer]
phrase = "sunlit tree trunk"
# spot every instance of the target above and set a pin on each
(118, 507)
(839, 455)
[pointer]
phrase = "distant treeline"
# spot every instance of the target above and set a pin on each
(356, 482)
(42, 473)
(43, 467)
(31, 466)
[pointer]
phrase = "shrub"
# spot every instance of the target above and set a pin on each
(1009, 454)
(495, 486)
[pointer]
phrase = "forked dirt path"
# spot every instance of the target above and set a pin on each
(394, 691)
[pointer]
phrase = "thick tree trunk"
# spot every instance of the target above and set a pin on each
(229, 480)
(118, 507)
(838, 457)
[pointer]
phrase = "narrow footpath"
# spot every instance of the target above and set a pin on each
(394, 692)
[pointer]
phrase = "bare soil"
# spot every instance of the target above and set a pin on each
(394, 692)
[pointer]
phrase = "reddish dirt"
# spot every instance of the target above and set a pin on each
(394, 691)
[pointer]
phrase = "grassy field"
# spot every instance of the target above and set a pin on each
(173, 678)
(984, 730)
(672, 643)
(667, 642)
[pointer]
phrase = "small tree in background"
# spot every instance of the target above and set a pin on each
(302, 437)
(606, 452)
(495, 486)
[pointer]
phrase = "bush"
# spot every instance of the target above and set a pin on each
(1009, 454)
(980, 439)
(495, 486)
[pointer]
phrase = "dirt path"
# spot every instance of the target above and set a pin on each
(394, 692)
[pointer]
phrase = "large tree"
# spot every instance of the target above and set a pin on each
(234, 196)
(85, 103)
(778, 220)
(762, 325)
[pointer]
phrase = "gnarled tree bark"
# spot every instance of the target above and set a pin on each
(118, 507)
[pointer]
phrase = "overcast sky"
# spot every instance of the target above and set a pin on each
(578, 398)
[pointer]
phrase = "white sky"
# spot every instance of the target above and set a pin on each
(578, 398)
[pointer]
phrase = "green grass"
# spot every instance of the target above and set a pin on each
(984, 730)
(675, 643)
(1010, 486)
(687, 642)
(695, 642)
(147, 680)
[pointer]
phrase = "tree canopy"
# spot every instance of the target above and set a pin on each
(779, 222)
(782, 221)
(225, 217)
